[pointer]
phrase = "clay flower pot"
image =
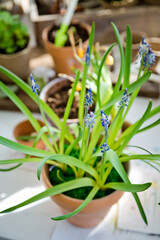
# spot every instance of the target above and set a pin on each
(155, 45)
(25, 128)
(136, 39)
(18, 63)
(51, 88)
(63, 57)
(92, 214)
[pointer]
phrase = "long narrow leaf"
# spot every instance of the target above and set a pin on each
(127, 58)
(135, 129)
(115, 161)
(141, 157)
(132, 87)
(26, 111)
(83, 205)
(75, 142)
(126, 187)
(77, 183)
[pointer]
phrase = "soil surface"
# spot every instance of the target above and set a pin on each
(58, 101)
(80, 33)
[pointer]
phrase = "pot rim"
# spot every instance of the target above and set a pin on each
(47, 87)
(21, 52)
(78, 201)
(75, 21)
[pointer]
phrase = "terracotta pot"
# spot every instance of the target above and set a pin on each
(25, 128)
(53, 87)
(155, 45)
(17, 63)
(114, 4)
(136, 39)
(92, 214)
(63, 57)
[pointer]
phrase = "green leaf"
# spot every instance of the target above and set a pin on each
(26, 111)
(76, 141)
(118, 84)
(83, 205)
(24, 149)
(77, 183)
(132, 87)
(141, 157)
(127, 58)
(67, 111)
(115, 161)
(135, 129)
(126, 187)
(71, 161)
(154, 124)
(10, 169)
(100, 72)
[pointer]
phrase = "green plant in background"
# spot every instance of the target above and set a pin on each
(14, 35)
(92, 156)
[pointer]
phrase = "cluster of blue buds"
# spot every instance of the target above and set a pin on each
(104, 120)
(88, 98)
(146, 53)
(104, 147)
(89, 119)
(87, 57)
(34, 85)
(125, 100)
(149, 59)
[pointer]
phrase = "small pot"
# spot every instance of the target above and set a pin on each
(25, 128)
(92, 214)
(136, 40)
(52, 87)
(155, 45)
(63, 57)
(18, 63)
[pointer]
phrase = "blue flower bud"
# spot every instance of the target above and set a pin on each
(104, 147)
(89, 119)
(34, 86)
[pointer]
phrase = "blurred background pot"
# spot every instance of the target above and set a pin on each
(18, 63)
(63, 57)
(136, 39)
(56, 93)
(25, 128)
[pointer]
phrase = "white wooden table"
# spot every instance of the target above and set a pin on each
(33, 222)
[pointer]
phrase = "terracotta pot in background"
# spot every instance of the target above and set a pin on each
(51, 88)
(136, 39)
(25, 128)
(17, 63)
(155, 45)
(92, 214)
(63, 57)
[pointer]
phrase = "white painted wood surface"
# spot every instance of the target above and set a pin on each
(33, 222)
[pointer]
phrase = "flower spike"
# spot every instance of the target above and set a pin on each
(104, 147)
(89, 119)
(124, 101)
(88, 98)
(104, 120)
(87, 57)
(149, 58)
(143, 48)
(34, 86)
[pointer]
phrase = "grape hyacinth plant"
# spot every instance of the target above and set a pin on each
(88, 159)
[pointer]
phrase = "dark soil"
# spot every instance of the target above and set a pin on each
(58, 101)
(81, 33)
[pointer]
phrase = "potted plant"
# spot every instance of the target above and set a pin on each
(58, 37)
(86, 162)
(14, 45)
